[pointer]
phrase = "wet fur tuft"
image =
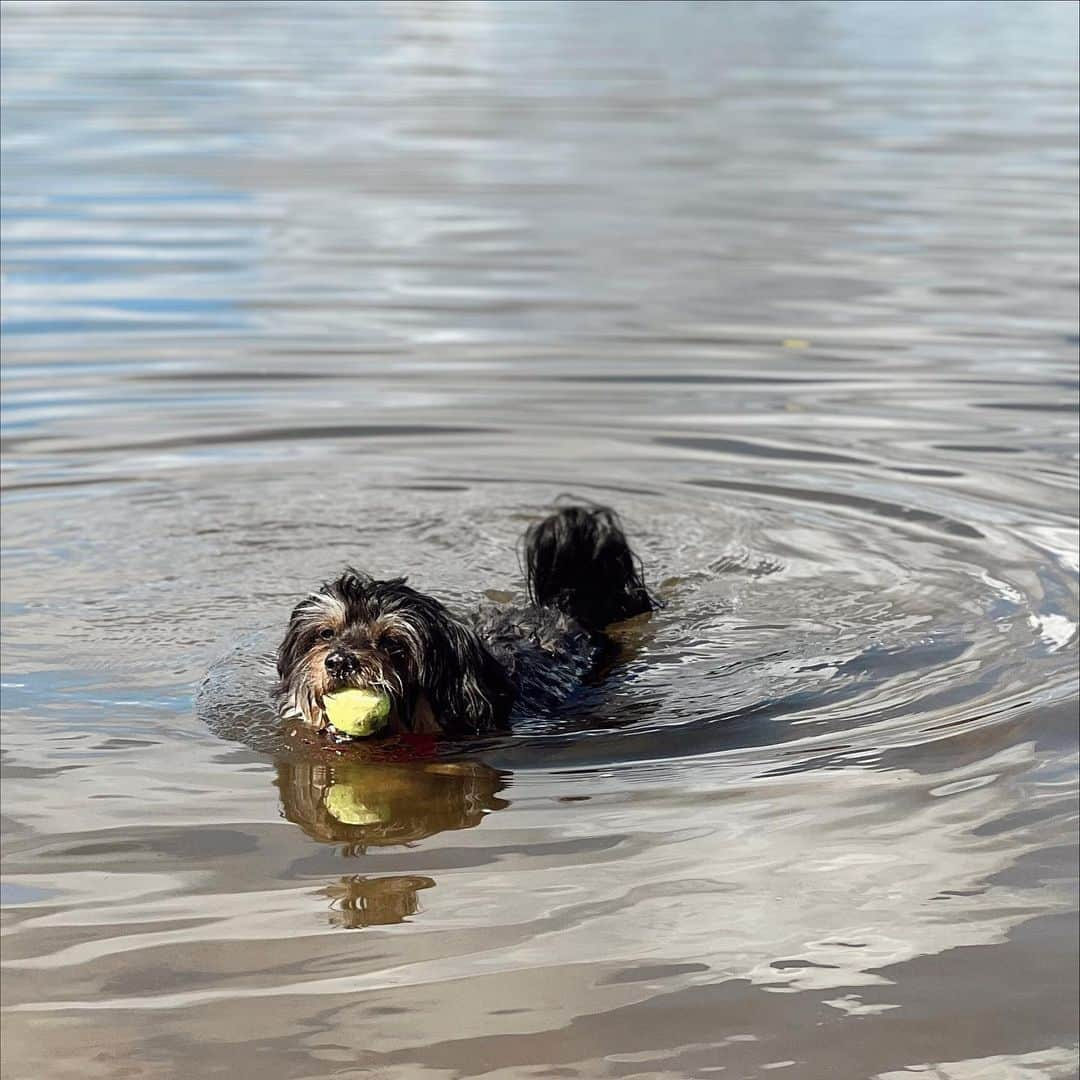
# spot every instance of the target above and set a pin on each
(578, 561)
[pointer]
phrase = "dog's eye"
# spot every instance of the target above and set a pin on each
(326, 634)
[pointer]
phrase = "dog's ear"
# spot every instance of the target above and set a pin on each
(468, 688)
(327, 603)
(291, 650)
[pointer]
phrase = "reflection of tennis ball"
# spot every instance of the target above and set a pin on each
(341, 801)
(357, 712)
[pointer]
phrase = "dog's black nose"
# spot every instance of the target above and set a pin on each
(340, 664)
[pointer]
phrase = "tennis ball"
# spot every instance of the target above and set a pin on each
(341, 802)
(357, 712)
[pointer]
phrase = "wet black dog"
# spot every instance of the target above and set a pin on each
(466, 676)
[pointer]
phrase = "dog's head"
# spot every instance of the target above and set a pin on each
(360, 633)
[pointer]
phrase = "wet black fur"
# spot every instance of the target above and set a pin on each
(578, 562)
(475, 672)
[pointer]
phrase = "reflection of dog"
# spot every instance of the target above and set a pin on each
(362, 804)
(357, 901)
(446, 674)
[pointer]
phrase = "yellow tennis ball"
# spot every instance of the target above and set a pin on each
(357, 712)
(342, 803)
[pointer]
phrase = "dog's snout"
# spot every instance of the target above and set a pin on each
(340, 664)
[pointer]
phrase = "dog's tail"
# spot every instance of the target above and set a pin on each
(578, 560)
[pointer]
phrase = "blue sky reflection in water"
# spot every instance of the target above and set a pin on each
(793, 286)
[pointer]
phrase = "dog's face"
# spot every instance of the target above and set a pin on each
(360, 633)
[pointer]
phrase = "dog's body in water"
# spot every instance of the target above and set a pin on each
(467, 676)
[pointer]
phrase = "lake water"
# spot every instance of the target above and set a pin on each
(793, 287)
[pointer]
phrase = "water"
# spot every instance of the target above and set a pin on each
(793, 287)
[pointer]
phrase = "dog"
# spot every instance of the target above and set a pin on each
(459, 677)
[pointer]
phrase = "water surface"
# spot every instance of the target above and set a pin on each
(290, 285)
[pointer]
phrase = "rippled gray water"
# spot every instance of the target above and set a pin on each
(289, 285)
